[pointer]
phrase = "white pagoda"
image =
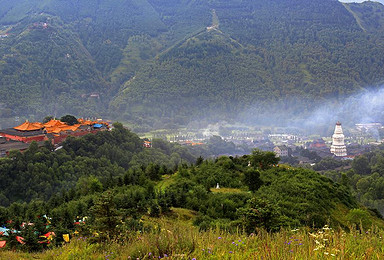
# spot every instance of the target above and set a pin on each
(338, 147)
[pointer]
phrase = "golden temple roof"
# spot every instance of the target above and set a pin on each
(54, 123)
(56, 126)
(27, 126)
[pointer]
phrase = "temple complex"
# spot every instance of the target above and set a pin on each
(54, 130)
(338, 147)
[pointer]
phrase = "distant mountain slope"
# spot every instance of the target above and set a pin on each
(101, 36)
(179, 60)
(369, 16)
(262, 54)
(45, 68)
(204, 71)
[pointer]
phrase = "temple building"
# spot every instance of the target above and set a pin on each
(7, 146)
(26, 132)
(317, 144)
(338, 147)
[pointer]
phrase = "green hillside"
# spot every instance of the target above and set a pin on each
(279, 54)
(46, 68)
(107, 188)
(88, 47)
(156, 62)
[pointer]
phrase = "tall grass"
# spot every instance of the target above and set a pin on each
(170, 241)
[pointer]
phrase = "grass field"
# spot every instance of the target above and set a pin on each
(175, 238)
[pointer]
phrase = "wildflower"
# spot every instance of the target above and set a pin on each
(300, 244)
(233, 242)
(219, 238)
(230, 252)
(149, 253)
(333, 255)
(165, 255)
(239, 240)
(326, 253)
(193, 258)
(326, 227)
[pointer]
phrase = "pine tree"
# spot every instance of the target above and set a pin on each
(105, 216)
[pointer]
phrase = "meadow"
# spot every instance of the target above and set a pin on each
(169, 239)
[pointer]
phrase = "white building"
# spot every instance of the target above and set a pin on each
(338, 147)
(368, 126)
(281, 151)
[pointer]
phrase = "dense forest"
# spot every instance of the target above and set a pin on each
(140, 61)
(106, 183)
(40, 173)
(364, 176)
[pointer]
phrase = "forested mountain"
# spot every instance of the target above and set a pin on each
(279, 54)
(181, 60)
(56, 54)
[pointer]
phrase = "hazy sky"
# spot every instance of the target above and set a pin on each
(359, 1)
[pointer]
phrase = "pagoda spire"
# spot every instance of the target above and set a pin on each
(338, 147)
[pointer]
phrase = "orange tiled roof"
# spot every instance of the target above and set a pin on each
(27, 126)
(54, 130)
(64, 127)
(89, 122)
(56, 126)
(53, 123)
(70, 127)
(197, 144)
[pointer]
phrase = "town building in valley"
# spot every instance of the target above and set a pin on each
(281, 151)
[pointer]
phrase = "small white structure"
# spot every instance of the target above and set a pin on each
(217, 186)
(338, 147)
